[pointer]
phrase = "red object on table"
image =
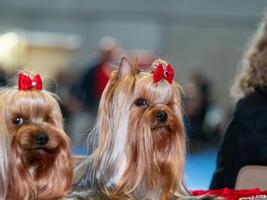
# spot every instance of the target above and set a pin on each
(230, 194)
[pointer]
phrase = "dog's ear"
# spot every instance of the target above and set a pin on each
(125, 68)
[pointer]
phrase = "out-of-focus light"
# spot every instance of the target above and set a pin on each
(9, 49)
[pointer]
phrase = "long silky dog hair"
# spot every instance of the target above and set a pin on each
(138, 144)
(35, 151)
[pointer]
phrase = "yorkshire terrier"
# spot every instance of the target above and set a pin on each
(141, 141)
(36, 162)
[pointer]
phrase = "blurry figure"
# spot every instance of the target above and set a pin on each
(143, 57)
(3, 78)
(61, 87)
(87, 89)
(93, 81)
(245, 138)
(213, 123)
(196, 103)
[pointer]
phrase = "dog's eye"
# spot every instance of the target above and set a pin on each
(18, 121)
(141, 102)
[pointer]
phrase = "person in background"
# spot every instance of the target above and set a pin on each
(196, 103)
(245, 138)
(86, 89)
(94, 79)
(3, 80)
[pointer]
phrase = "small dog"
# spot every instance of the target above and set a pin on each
(141, 140)
(36, 162)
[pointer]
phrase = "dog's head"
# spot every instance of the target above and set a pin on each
(40, 163)
(141, 143)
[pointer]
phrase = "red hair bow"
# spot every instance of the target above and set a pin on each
(167, 73)
(26, 83)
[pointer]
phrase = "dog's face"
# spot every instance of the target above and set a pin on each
(40, 149)
(35, 127)
(142, 143)
(156, 105)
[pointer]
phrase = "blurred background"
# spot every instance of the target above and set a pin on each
(75, 44)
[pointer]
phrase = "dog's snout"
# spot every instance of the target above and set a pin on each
(162, 116)
(41, 138)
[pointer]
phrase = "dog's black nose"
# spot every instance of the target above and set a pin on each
(162, 116)
(41, 138)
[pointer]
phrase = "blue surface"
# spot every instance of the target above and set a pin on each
(78, 150)
(199, 167)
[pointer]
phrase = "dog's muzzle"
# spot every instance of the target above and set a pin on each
(161, 116)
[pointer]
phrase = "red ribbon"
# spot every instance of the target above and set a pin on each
(230, 194)
(161, 73)
(26, 83)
